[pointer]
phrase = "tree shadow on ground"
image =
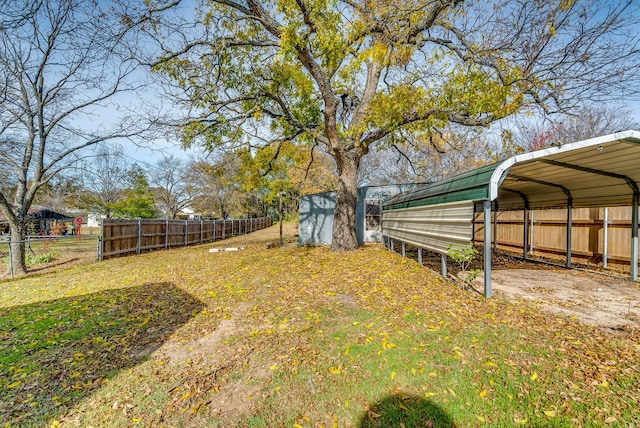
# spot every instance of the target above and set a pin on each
(405, 411)
(55, 353)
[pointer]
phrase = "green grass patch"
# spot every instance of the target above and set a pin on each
(54, 353)
(32, 259)
(297, 337)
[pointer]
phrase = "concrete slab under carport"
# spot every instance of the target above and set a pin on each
(604, 301)
(608, 301)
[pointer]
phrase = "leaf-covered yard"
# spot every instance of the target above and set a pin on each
(297, 336)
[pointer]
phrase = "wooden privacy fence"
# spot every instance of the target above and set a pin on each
(123, 237)
(598, 235)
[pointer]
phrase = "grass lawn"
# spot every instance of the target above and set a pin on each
(297, 337)
(53, 253)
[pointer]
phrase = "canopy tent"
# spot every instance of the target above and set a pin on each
(598, 172)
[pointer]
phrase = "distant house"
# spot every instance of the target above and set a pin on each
(94, 219)
(188, 213)
(315, 224)
(39, 220)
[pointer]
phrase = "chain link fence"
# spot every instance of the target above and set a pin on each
(43, 252)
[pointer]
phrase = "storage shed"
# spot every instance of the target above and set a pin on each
(315, 226)
(598, 172)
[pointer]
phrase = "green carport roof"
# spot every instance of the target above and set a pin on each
(603, 171)
(472, 185)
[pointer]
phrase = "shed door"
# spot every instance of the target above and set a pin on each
(373, 215)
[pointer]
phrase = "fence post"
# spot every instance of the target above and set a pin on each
(101, 241)
(166, 234)
(224, 228)
(569, 230)
(10, 258)
(531, 233)
(525, 234)
(186, 232)
(139, 235)
(605, 237)
(633, 268)
(495, 228)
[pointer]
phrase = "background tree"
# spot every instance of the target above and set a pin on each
(586, 122)
(284, 169)
(137, 200)
(105, 178)
(221, 194)
(60, 194)
(425, 159)
(353, 75)
(173, 185)
(60, 63)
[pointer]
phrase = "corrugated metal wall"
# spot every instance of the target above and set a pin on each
(315, 225)
(433, 227)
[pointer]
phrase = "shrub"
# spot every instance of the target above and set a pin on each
(464, 255)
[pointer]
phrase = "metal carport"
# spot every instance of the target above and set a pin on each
(598, 172)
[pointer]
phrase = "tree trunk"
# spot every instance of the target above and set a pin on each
(344, 217)
(17, 249)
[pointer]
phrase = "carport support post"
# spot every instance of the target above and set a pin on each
(404, 250)
(487, 248)
(443, 265)
(420, 255)
(634, 238)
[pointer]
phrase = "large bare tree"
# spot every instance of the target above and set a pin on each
(105, 177)
(351, 75)
(60, 67)
(173, 185)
